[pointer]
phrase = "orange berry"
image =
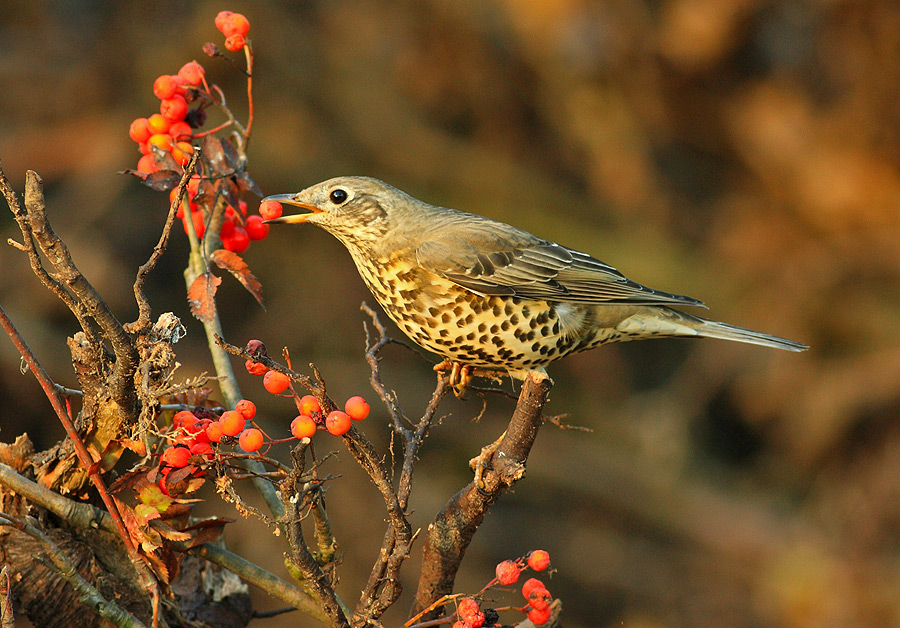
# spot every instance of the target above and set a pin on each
(214, 432)
(199, 223)
(177, 456)
(184, 418)
(357, 408)
(250, 440)
(180, 130)
(275, 382)
(158, 124)
(255, 368)
(221, 17)
(147, 165)
(201, 449)
(139, 130)
(303, 427)
(247, 408)
(539, 560)
(467, 608)
(161, 140)
(231, 422)
(164, 86)
(144, 148)
(193, 185)
(235, 43)
(530, 585)
(182, 152)
(192, 72)
(508, 572)
(539, 617)
(539, 598)
(256, 228)
(309, 405)
(338, 423)
(235, 24)
(238, 241)
(270, 210)
(174, 108)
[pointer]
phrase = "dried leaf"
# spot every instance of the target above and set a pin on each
(212, 150)
(201, 297)
(145, 513)
(164, 161)
(235, 264)
(168, 532)
(206, 530)
(232, 157)
(162, 180)
(151, 495)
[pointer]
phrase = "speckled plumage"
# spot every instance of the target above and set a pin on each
(485, 294)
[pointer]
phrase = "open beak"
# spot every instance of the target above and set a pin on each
(288, 199)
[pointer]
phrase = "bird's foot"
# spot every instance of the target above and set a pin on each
(482, 462)
(460, 376)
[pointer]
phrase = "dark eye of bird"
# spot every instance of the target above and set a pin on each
(338, 196)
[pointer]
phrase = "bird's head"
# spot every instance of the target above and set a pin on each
(356, 210)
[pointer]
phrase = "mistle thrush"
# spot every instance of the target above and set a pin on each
(484, 294)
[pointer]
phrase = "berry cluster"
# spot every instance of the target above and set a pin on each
(235, 28)
(310, 417)
(538, 598)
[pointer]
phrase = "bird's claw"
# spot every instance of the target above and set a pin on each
(460, 376)
(482, 463)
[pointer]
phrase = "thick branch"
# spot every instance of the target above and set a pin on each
(454, 526)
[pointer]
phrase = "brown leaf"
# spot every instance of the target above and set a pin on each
(231, 155)
(164, 161)
(235, 264)
(201, 297)
(212, 150)
(206, 531)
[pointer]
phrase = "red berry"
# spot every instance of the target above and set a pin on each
(309, 405)
(238, 241)
(164, 86)
(460, 624)
(201, 449)
(180, 130)
(176, 456)
(275, 382)
(357, 408)
(174, 108)
(508, 572)
(146, 164)
(303, 427)
(214, 432)
(235, 43)
(270, 210)
(539, 617)
(235, 24)
(250, 440)
(539, 560)
(247, 408)
(199, 223)
(161, 141)
(182, 152)
(184, 418)
(192, 72)
(539, 598)
(221, 17)
(256, 228)
(530, 585)
(158, 124)
(255, 368)
(467, 608)
(338, 423)
(139, 130)
(231, 422)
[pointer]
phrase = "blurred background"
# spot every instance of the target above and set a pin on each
(745, 152)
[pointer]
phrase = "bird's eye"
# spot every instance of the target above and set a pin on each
(338, 196)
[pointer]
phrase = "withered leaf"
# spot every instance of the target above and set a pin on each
(201, 296)
(231, 155)
(235, 264)
(164, 160)
(215, 155)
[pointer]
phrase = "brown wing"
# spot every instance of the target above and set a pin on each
(492, 258)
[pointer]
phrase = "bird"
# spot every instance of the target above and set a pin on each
(485, 295)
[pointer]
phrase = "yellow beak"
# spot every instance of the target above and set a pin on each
(288, 199)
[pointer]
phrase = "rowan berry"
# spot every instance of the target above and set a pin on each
(158, 124)
(192, 72)
(193, 186)
(357, 408)
(539, 560)
(242, 206)
(539, 617)
(309, 405)
(201, 449)
(539, 598)
(338, 423)
(275, 382)
(247, 408)
(165, 86)
(255, 368)
(221, 16)
(235, 43)
(530, 585)
(235, 24)
(508, 572)
(303, 427)
(238, 241)
(177, 456)
(270, 210)
(467, 609)
(256, 347)
(184, 418)
(144, 148)
(182, 152)
(174, 108)
(147, 165)
(161, 140)
(199, 223)
(214, 432)
(180, 130)
(250, 440)
(139, 130)
(460, 624)
(231, 422)
(256, 228)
